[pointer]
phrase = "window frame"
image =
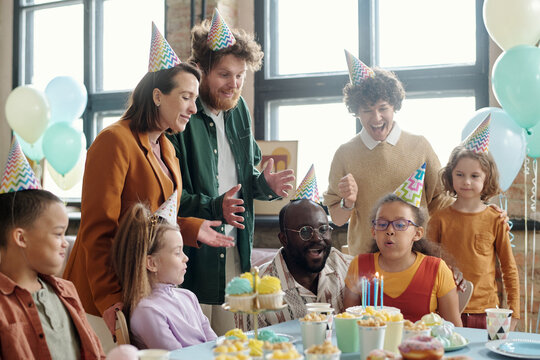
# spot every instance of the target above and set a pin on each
(99, 102)
(420, 82)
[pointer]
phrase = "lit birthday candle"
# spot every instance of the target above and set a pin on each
(363, 285)
(375, 289)
(368, 282)
(382, 290)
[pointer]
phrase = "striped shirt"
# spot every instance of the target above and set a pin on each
(330, 289)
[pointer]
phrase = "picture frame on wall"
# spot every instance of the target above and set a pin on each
(285, 155)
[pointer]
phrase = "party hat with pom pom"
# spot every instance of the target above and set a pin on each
(411, 190)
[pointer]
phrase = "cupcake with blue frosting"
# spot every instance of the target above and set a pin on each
(239, 294)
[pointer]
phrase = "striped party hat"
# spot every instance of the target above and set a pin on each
(478, 140)
(219, 35)
(18, 174)
(411, 190)
(162, 56)
(308, 187)
(169, 210)
(358, 71)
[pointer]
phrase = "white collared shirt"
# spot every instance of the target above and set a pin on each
(392, 137)
(226, 164)
(330, 289)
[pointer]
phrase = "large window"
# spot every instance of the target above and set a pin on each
(439, 50)
(101, 43)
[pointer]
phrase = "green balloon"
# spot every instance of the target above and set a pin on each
(62, 146)
(516, 84)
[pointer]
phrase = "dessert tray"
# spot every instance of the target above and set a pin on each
(516, 348)
(456, 347)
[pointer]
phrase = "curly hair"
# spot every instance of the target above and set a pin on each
(420, 217)
(383, 86)
(245, 48)
(487, 163)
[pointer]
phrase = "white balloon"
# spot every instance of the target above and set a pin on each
(512, 22)
(27, 112)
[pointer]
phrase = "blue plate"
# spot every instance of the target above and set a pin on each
(517, 348)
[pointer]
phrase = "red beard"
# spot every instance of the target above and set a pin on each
(213, 100)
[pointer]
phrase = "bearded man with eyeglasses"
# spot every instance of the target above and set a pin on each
(309, 268)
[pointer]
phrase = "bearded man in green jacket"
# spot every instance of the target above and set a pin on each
(218, 155)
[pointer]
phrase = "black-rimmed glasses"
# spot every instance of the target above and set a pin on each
(399, 224)
(306, 232)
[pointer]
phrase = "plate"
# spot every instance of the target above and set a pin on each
(516, 348)
(358, 310)
(456, 347)
(226, 306)
(251, 335)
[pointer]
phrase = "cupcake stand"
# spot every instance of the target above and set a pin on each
(256, 309)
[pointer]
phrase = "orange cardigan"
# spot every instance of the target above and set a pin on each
(121, 170)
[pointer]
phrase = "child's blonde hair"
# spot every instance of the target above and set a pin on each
(491, 184)
(140, 234)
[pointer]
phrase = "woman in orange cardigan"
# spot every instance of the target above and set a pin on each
(128, 162)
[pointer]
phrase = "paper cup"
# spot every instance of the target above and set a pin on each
(392, 338)
(370, 338)
(153, 354)
(313, 332)
(498, 323)
(346, 334)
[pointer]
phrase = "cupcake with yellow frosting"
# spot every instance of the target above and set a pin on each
(269, 292)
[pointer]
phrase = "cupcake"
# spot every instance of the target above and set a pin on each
(239, 294)
(269, 293)
(249, 277)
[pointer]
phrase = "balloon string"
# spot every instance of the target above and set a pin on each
(503, 204)
(533, 210)
(525, 173)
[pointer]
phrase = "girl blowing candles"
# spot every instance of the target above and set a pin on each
(414, 280)
(149, 261)
(471, 229)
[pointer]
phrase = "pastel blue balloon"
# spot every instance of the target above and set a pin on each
(516, 84)
(62, 146)
(533, 142)
(32, 151)
(506, 142)
(67, 98)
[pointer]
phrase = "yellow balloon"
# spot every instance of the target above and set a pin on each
(512, 22)
(27, 112)
(71, 178)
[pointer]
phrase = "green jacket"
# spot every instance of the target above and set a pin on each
(196, 149)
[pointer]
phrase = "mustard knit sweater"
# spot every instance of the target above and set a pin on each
(379, 172)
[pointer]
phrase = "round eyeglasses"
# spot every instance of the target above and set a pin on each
(306, 232)
(399, 224)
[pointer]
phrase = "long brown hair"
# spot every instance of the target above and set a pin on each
(142, 112)
(139, 234)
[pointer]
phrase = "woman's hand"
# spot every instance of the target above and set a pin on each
(211, 237)
(109, 316)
